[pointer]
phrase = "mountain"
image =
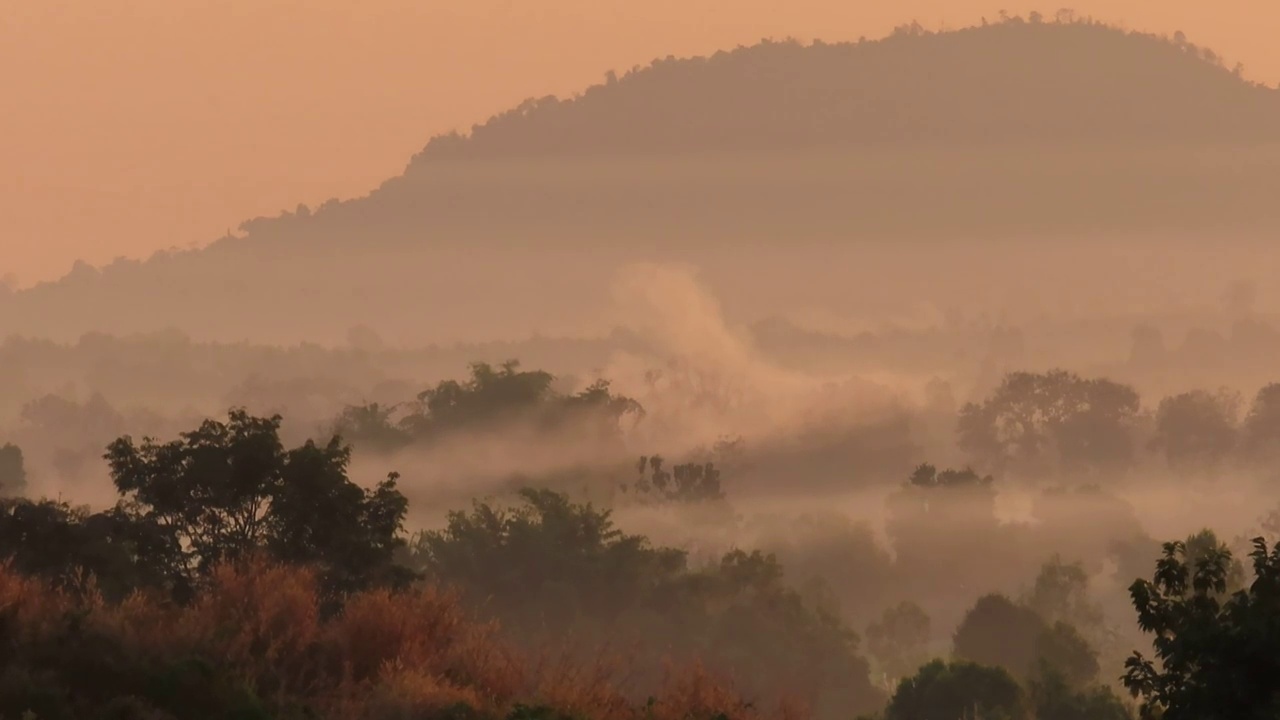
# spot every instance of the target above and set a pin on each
(852, 175)
(1011, 82)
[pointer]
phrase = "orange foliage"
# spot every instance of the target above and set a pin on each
(408, 654)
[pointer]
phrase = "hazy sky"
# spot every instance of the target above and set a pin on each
(132, 125)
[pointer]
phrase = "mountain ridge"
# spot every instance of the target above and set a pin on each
(1050, 130)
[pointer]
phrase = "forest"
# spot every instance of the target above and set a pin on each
(925, 377)
(254, 578)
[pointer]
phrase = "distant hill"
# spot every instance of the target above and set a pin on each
(1031, 130)
(1016, 81)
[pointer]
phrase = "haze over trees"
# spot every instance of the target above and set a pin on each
(861, 380)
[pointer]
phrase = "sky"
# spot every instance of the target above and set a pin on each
(136, 125)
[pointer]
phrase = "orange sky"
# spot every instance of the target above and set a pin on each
(133, 125)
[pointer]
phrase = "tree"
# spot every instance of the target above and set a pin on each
(68, 545)
(227, 490)
(1061, 650)
(999, 632)
(13, 471)
(899, 639)
(996, 631)
(1054, 698)
(493, 396)
(551, 569)
(1215, 655)
(958, 691)
(1197, 430)
(370, 426)
(1035, 419)
(1260, 432)
(1061, 593)
(684, 483)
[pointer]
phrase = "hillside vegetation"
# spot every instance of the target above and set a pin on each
(1037, 133)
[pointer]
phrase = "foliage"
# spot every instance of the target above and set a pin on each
(71, 547)
(255, 645)
(492, 396)
(999, 632)
(489, 400)
(1197, 430)
(899, 639)
(1033, 419)
(550, 568)
(1215, 655)
(684, 483)
(1260, 431)
(1061, 593)
(227, 490)
(958, 691)
(1054, 698)
(13, 471)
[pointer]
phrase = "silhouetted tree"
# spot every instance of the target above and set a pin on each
(493, 396)
(1260, 433)
(899, 639)
(1215, 655)
(684, 483)
(997, 631)
(227, 490)
(1034, 420)
(1197, 430)
(68, 546)
(370, 426)
(958, 691)
(1053, 698)
(549, 567)
(13, 471)
(1061, 593)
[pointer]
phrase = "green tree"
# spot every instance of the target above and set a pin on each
(958, 691)
(1215, 654)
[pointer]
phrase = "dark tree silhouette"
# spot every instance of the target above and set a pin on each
(1260, 432)
(1197, 430)
(13, 471)
(1034, 422)
(227, 490)
(1215, 655)
(899, 639)
(958, 691)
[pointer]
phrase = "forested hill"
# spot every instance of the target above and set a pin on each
(1017, 80)
(1033, 131)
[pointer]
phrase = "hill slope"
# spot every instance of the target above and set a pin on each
(1036, 132)
(1010, 82)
